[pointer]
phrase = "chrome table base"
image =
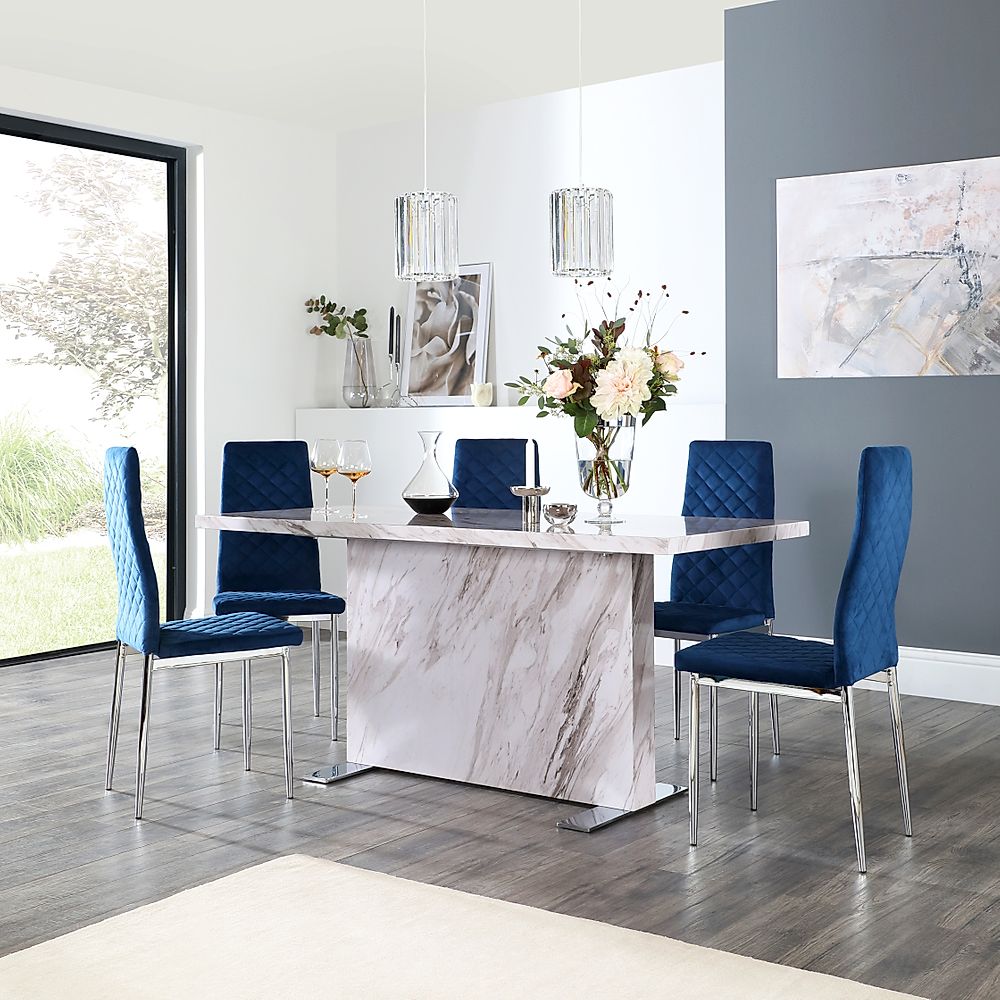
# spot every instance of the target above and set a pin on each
(328, 775)
(598, 817)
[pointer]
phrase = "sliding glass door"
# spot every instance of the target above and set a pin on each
(91, 355)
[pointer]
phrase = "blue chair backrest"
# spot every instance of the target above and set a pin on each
(864, 625)
(138, 623)
(266, 475)
(486, 469)
(728, 479)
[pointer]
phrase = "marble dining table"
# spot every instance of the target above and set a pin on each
(482, 651)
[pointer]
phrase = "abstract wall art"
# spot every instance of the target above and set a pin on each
(890, 272)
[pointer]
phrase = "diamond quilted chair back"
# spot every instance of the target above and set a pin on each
(864, 626)
(728, 479)
(486, 468)
(138, 623)
(266, 475)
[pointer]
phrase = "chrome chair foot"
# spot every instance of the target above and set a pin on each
(694, 727)
(899, 746)
(143, 747)
(314, 636)
(775, 726)
(854, 776)
(713, 734)
(754, 726)
(677, 693)
(217, 722)
(247, 714)
(116, 711)
(335, 678)
(286, 723)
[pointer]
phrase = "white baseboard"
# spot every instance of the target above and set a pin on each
(927, 673)
(950, 674)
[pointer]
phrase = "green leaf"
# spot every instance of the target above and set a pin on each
(522, 400)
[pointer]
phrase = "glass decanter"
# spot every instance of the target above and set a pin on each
(430, 491)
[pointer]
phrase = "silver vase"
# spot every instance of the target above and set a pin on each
(360, 384)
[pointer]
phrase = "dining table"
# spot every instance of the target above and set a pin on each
(484, 649)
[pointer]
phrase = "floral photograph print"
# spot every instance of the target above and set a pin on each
(890, 272)
(444, 350)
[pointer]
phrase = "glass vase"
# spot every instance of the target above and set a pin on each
(604, 460)
(359, 373)
(430, 491)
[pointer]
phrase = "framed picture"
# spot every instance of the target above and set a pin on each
(445, 337)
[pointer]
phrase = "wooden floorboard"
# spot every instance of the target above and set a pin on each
(779, 885)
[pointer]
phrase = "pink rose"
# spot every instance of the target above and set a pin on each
(668, 363)
(560, 384)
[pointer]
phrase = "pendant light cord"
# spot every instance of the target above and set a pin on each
(579, 78)
(425, 97)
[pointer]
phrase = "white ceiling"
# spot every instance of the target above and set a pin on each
(347, 63)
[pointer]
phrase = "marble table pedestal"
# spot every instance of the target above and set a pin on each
(524, 669)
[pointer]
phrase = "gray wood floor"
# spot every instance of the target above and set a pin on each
(780, 885)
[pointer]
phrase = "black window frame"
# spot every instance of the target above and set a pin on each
(175, 158)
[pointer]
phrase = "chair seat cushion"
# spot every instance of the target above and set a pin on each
(702, 619)
(754, 656)
(226, 634)
(280, 603)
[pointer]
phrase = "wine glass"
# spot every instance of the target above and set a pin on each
(323, 460)
(355, 463)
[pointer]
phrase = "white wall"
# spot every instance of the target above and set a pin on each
(655, 141)
(261, 212)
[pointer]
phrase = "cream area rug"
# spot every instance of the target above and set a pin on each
(300, 927)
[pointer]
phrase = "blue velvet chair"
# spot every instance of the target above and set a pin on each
(723, 590)
(486, 468)
(864, 638)
(275, 575)
(220, 638)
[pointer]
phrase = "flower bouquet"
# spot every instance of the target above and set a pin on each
(606, 388)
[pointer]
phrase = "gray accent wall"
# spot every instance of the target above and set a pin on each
(823, 86)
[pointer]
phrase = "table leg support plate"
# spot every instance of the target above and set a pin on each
(598, 817)
(328, 775)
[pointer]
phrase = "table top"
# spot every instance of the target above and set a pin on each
(641, 535)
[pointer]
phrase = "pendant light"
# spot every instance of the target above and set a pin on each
(580, 218)
(426, 222)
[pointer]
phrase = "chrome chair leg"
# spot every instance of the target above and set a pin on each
(247, 714)
(116, 711)
(775, 725)
(754, 723)
(854, 776)
(286, 722)
(217, 722)
(335, 677)
(900, 747)
(141, 753)
(713, 727)
(694, 727)
(677, 692)
(314, 636)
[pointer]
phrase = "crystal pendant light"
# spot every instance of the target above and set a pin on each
(580, 218)
(426, 222)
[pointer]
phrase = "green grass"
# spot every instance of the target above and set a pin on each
(57, 598)
(45, 483)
